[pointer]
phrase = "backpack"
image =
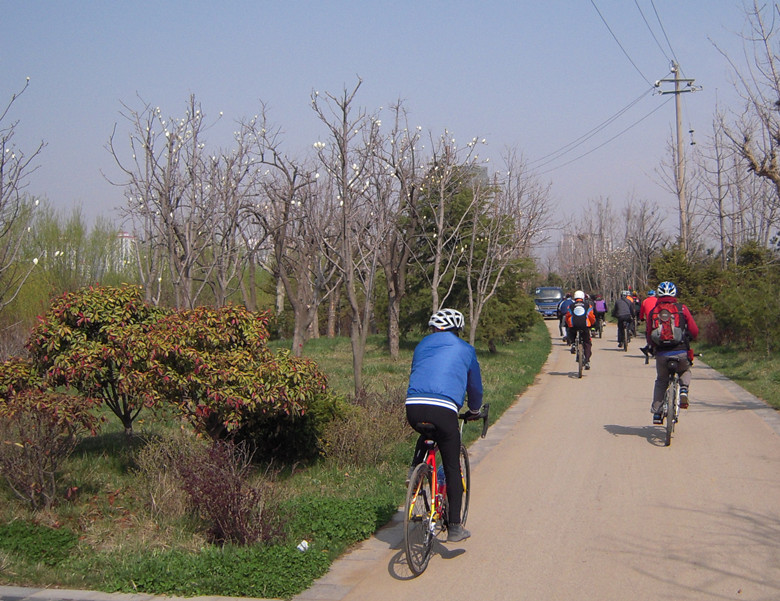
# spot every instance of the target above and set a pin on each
(579, 316)
(667, 325)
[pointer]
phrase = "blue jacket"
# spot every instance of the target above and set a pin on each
(563, 306)
(444, 369)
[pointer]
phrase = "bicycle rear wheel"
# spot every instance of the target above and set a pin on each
(580, 355)
(671, 410)
(465, 474)
(418, 513)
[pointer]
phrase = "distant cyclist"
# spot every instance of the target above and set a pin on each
(599, 308)
(581, 318)
(647, 304)
(444, 371)
(563, 308)
(624, 312)
(674, 342)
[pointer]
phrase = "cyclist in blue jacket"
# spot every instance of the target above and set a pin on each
(444, 370)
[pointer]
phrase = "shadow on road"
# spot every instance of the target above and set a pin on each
(399, 569)
(655, 435)
(571, 374)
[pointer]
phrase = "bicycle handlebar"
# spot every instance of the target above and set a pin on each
(483, 414)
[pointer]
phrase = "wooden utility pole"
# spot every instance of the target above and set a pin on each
(680, 163)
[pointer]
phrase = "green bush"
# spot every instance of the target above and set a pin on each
(215, 365)
(746, 304)
(96, 341)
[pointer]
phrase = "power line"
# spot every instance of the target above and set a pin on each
(563, 150)
(652, 33)
(617, 135)
(664, 31)
(619, 44)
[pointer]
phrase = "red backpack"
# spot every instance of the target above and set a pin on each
(667, 324)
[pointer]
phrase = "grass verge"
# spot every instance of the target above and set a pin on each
(109, 538)
(756, 373)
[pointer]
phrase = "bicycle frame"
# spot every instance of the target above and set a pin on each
(437, 510)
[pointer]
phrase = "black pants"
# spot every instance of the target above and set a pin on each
(587, 344)
(448, 439)
(629, 325)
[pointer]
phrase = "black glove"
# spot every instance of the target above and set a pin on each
(472, 414)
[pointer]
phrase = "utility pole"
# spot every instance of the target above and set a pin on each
(680, 163)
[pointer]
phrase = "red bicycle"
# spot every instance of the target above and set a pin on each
(425, 511)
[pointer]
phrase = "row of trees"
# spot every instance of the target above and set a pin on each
(370, 205)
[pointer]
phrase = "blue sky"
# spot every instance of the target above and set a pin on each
(535, 76)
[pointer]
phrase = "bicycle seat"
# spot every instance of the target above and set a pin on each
(425, 428)
(673, 364)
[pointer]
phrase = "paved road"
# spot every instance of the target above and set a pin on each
(576, 499)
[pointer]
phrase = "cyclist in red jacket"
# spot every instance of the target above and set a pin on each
(667, 295)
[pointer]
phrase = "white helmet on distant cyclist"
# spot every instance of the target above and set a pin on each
(447, 319)
(579, 295)
(666, 289)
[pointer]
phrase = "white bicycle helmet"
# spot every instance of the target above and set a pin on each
(447, 319)
(579, 295)
(666, 289)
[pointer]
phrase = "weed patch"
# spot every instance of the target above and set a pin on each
(37, 544)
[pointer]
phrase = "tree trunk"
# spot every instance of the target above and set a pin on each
(333, 309)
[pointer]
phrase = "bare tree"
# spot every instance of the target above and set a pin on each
(16, 207)
(605, 252)
(588, 251)
(395, 179)
(644, 237)
(295, 217)
(230, 185)
(756, 131)
(716, 164)
(507, 216)
(170, 203)
(451, 171)
(351, 137)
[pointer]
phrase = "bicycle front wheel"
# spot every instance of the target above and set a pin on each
(418, 519)
(465, 474)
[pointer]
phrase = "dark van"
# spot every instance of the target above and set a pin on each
(546, 299)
